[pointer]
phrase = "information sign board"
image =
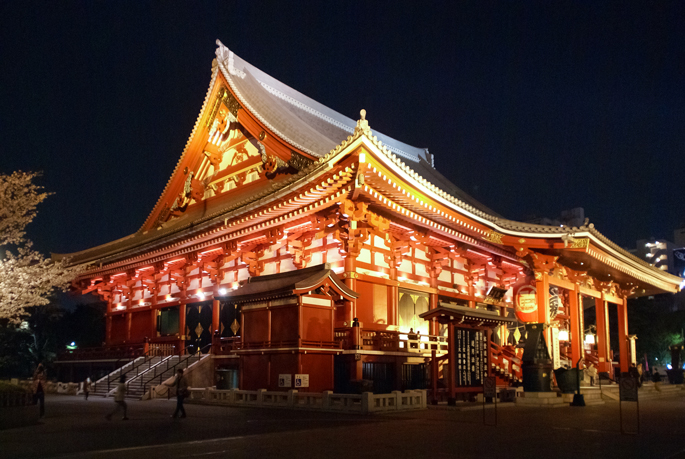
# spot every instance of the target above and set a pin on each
(628, 388)
(285, 380)
(470, 357)
(490, 387)
(301, 380)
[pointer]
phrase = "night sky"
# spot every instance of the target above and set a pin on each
(531, 108)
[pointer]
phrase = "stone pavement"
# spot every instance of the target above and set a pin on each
(76, 428)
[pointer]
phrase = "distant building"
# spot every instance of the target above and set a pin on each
(656, 252)
(679, 237)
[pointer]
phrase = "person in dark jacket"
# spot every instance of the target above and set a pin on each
(656, 379)
(181, 385)
(39, 381)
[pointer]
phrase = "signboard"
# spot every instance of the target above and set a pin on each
(554, 302)
(495, 295)
(301, 381)
(285, 380)
(556, 355)
(490, 387)
(525, 301)
(679, 261)
(633, 354)
(628, 388)
(470, 357)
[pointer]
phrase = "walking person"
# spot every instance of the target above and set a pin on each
(39, 381)
(86, 387)
(656, 379)
(181, 392)
(119, 399)
(592, 373)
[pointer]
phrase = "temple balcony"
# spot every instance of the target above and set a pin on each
(390, 341)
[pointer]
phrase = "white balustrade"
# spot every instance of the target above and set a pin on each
(326, 401)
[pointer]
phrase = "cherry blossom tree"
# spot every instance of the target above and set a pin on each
(27, 278)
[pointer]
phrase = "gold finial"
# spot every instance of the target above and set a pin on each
(363, 114)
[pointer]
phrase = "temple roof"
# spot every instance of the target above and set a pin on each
(286, 284)
(314, 128)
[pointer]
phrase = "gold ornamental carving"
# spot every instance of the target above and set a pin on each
(582, 243)
(228, 100)
(494, 237)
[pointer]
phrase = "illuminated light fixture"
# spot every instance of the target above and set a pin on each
(402, 278)
(563, 335)
(169, 297)
(590, 339)
(201, 295)
(236, 285)
(222, 291)
(362, 157)
(141, 301)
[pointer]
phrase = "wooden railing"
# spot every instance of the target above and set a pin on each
(16, 399)
(505, 362)
(384, 340)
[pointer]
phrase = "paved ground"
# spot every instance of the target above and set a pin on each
(76, 428)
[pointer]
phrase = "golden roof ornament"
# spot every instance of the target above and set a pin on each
(362, 124)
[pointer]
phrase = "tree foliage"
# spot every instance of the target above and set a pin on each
(27, 278)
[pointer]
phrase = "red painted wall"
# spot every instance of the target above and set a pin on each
(118, 329)
(319, 367)
(256, 326)
(372, 305)
(317, 324)
(284, 324)
(141, 326)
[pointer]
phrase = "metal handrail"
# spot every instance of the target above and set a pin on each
(117, 371)
(146, 359)
(181, 360)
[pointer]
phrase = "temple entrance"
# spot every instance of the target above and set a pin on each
(199, 327)
(382, 374)
(414, 376)
(411, 305)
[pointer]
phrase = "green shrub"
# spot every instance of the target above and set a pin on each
(7, 388)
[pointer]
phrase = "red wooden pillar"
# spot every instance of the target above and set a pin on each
(153, 323)
(623, 335)
(129, 318)
(108, 333)
(216, 310)
(542, 296)
(393, 299)
(575, 310)
(433, 304)
(602, 334)
(182, 328)
(351, 283)
(451, 366)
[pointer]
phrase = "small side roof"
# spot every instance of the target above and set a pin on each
(287, 284)
(447, 313)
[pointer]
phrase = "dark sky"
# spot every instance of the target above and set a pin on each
(532, 108)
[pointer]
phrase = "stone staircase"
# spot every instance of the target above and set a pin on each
(143, 383)
(610, 392)
(132, 369)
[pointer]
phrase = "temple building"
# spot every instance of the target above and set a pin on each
(300, 248)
